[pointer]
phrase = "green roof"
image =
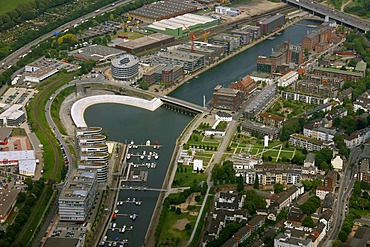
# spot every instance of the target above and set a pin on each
(260, 74)
(361, 66)
(318, 142)
(339, 71)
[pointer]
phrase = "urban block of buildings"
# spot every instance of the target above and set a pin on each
(362, 102)
(164, 73)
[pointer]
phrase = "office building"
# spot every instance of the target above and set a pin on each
(272, 23)
(77, 197)
(13, 116)
(125, 67)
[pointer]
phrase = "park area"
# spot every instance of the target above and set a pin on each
(289, 108)
(276, 150)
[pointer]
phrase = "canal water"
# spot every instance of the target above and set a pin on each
(126, 123)
(238, 66)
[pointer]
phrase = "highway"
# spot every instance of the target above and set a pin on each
(14, 57)
(345, 189)
(340, 17)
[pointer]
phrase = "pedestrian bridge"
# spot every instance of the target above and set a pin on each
(183, 104)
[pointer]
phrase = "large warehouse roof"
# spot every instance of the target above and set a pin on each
(163, 9)
(179, 22)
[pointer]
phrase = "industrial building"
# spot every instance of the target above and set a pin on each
(166, 73)
(162, 10)
(8, 199)
(177, 26)
(226, 11)
(37, 73)
(98, 53)
(320, 39)
(125, 67)
(190, 61)
(77, 196)
(145, 43)
(13, 116)
(25, 160)
(227, 98)
(272, 23)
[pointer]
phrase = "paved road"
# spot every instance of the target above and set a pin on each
(345, 188)
(340, 17)
(216, 159)
(14, 57)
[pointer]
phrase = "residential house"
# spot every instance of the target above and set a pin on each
(287, 240)
(256, 223)
(326, 218)
(328, 186)
(362, 102)
(295, 217)
(328, 202)
(337, 163)
(307, 142)
(310, 160)
(229, 201)
(271, 120)
(357, 138)
(318, 132)
(262, 129)
(285, 198)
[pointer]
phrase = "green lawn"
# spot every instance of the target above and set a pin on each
(185, 176)
(55, 107)
(9, 5)
(172, 236)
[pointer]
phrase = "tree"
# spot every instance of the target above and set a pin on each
(256, 184)
(278, 188)
(306, 52)
(288, 129)
(308, 221)
(240, 186)
(323, 158)
(144, 85)
(311, 205)
(188, 227)
(253, 201)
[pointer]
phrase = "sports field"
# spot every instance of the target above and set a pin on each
(9, 5)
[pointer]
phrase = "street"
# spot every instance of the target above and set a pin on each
(345, 188)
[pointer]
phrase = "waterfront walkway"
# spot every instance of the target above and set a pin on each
(79, 107)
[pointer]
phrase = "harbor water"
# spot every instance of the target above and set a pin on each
(126, 123)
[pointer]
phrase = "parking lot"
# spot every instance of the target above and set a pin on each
(17, 95)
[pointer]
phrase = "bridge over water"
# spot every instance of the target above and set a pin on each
(340, 17)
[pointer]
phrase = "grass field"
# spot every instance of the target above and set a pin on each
(173, 236)
(185, 176)
(9, 5)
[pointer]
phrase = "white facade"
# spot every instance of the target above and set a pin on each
(24, 159)
(222, 10)
(319, 133)
(223, 116)
(321, 193)
(357, 138)
(13, 116)
(214, 132)
(337, 163)
(126, 67)
(287, 79)
(197, 165)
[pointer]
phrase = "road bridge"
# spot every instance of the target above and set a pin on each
(340, 17)
(138, 188)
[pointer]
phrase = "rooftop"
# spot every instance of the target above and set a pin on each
(124, 61)
(188, 20)
(338, 71)
(7, 198)
(145, 41)
(79, 186)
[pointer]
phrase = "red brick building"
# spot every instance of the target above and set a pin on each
(227, 98)
(246, 84)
